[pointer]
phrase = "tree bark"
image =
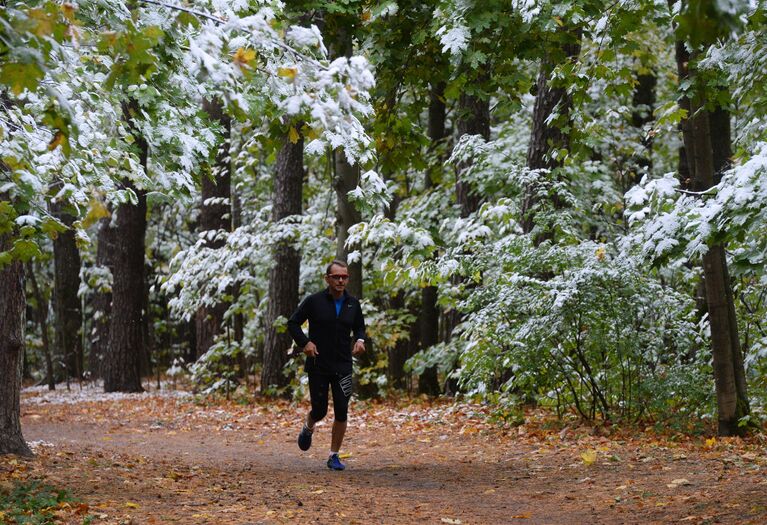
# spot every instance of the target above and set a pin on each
(122, 367)
(12, 305)
(721, 142)
(215, 215)
(547, 136)
(473, 119)
(732, 402)
(102, 300)
(284, 275)
(706, 158)
(428, 320)
(42, 321)
(66, 282)
(643, 101)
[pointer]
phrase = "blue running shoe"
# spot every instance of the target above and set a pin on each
(305, 438)
(335, 463)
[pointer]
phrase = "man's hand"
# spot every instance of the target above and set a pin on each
(311, 349)
(359, 347)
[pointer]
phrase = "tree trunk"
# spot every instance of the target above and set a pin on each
(732, 400)
(122, 366)
(215, 215)
(547, 136)
(706, 158)
(721, 142)
(284, 275)
(42, 321)
(473, 119)
(346, 178)
(102, 299)
(428, 321)
(428, 382)
(12, 305)
(66, 282)
(643, 102)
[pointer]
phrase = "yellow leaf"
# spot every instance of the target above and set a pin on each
(600, 253)
(710, 442)
(243, 57)
(287, 72)
(345, 455)
(589, 457)
(58, 140)
(293, 135)
(97, 210)
(132, 505)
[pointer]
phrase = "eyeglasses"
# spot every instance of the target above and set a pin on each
(339, 277)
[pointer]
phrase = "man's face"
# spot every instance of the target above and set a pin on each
(337, 278)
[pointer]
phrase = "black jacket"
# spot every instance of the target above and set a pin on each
(330, 332)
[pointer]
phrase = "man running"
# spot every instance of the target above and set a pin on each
(333, 315)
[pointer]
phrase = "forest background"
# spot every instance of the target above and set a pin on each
(549, 203)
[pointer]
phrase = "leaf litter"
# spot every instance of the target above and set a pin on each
(168, 457)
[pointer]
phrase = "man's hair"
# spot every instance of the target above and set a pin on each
(336, 262)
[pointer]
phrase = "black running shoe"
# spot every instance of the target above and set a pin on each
(305, 438)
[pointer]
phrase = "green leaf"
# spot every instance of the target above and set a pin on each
(25, 249)
(21, 76)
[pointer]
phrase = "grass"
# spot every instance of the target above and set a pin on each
(35, 503)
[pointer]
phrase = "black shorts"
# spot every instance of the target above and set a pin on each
(341, 386)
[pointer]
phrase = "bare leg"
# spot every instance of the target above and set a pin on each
(309, 421)
(339, 429)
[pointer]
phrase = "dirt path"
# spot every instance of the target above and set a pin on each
(152, 459)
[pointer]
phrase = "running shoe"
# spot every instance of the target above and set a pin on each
(305, 438)
(335, 463)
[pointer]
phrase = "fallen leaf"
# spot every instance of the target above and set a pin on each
(132, 505)
(450, 520)
(678, 482)
(589, 457)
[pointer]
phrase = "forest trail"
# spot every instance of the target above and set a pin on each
(136, 459)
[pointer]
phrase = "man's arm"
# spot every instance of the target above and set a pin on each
(359, 323)
(359, 331)
(296, 320)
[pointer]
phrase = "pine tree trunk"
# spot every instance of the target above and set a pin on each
(284, 275)
(215, 215)
(12, 305)
(547, 136)
(66, 282)
(122, 365)
(102, 300)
